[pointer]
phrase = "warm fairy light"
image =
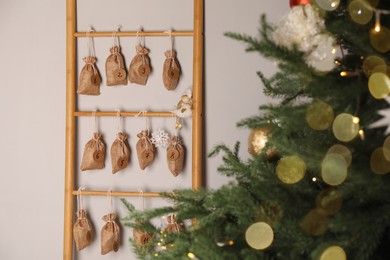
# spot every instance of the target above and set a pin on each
(361, 134)
(191, 255)
(337, 62)
(314, 179)
(355, 120)
(230, 242)
(377, 22)
(163, 247)
(333, 50)
(159, 244)
(343, 74)
(155, 254)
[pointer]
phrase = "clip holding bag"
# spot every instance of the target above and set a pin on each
(89, 79)
(82, 228)
(115, 66)
(140, 67)
(171, 67)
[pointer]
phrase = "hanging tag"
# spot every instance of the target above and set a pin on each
(122, 162)
(95, 80)
(172, 154)
(120, 74)
(173, 73)
(144, 70)
(148, 156)
(98, 156)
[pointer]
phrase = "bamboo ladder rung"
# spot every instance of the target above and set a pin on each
(116, 193)
(124, 113)
(143, 33)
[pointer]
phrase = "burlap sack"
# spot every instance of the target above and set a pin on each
(175, 155)
(82, 231)
(120, 153)
(140, 68)
(89, 80)
(94, 154)
(115, 68)
(110, 235)
(145, 149)
(173, 226)
(141, 237)
(171, 70)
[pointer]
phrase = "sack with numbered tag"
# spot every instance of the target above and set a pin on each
(82, 230)
(110, 234)
(145, 149)
(94, 154)
(171, 70)
(120, 153)
(139, 69)
(175, 155)
(115, 68)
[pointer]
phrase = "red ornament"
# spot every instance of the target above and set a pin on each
(298, 2)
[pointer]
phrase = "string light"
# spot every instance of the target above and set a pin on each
(191, 255)
(355, 120)
(361, 134)
(378, 13)
(377, 21)
(314, 179)
(230, 242)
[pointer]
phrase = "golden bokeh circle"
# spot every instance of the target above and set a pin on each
(380, 40)
(329, 201)
(386, 148)
(291, 169)
(378, 162)
(343, 151)
(334, 169)
(333, 253)
(319, 115)
(328, 5)
(359, 12)
(315, 223)
(379, 85)
(371, 64)
(259, 235)
(344, 127)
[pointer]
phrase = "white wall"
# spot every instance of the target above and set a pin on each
(32, 105)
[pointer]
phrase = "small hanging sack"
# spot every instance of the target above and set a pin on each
(173, 226)
(139, 69)
(89, 79)
(171, 70)
(82, 228)
(141, 238)
(145, 149)
(94, 154)
(175, 155)
(115, 66)
(110, 234)
(120, 153)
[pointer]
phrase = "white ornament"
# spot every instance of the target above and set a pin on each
(385, 121)
(160, 138)
(184, 107)
(303, 28)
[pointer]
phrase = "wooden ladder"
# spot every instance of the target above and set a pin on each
(72, 113)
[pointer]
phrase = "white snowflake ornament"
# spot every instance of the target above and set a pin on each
(385, 121)
(160, 138)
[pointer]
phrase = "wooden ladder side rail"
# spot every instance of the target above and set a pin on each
(71, 78)
(197, 116)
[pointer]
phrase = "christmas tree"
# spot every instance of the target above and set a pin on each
(316, 186)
